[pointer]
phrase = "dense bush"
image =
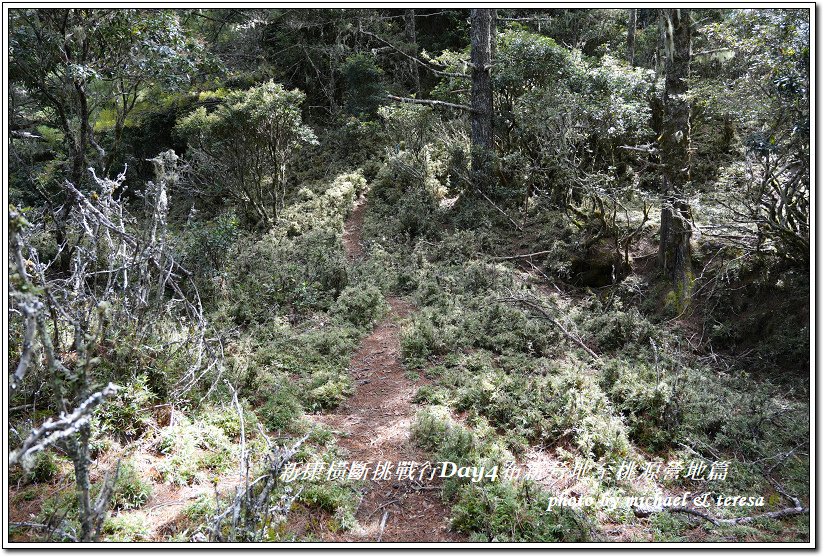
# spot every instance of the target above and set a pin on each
(760, 310)
(491, 510)
(300, 266)
(278, 276)
(364, 91)
(129, 415)
(131, 490)
(206, 246)
(503, 512)
(243, 149)
(360, 305)
(547, 92)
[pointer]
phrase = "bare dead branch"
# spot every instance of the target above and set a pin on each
(53, 430)
(543, 314)
(46, 528)
(414, 58)
(251, 508)
(429, 102)
(521, 256)
(783, 513)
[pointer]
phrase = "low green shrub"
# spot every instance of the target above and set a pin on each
(667, 527)
(386, 270)
(715, 410)
(205, 247)
(643, 396)
(551, 403)
(227, 420)
(181, 463)
(218, 455)
(281, 409)
(403, 203)
(128, 415)
(426, 335)
(452, 322)
(125, 528)
(332, 346)
(495, 510)
(427, 394)
(613, 328)
(456, 249)
(434, 430)
(360, 305)
(131, 491)
(191, 449)
(507, 512)
(61, 504)
(502, 328)
(581, 410)
(328, 389)
(339, 500)
(43, 469)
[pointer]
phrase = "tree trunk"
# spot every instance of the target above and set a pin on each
(631, 25)
(674, 250)
(482, 35)
(77, 145)
(412, 39)
(660, 49)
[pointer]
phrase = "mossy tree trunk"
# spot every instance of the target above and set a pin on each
(632, 17)
(674, 250)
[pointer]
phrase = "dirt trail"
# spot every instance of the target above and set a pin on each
(353, 229)
(373, 426)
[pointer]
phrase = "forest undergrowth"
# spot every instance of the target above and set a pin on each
(320, 270)
(572, 384)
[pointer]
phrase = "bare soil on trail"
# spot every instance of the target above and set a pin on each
(373, 426)
(353, 229)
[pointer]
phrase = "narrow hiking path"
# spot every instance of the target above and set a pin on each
(373, 426)
(353, 230)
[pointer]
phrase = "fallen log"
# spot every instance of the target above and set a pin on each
(783, 513)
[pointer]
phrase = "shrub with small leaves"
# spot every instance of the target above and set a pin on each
(328, 389)
(360, 305)
(125, 528)
(44, 468)
(127, 416)
(506, 512)
(131, 491)
(281, 409)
